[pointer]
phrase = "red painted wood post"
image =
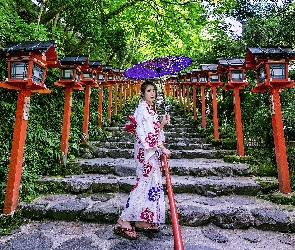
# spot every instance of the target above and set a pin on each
(280, 144)
(195, 101)
(125, 93)
(215, 116)
(66, 124)
(188, 98)
(203, 106)
(100, 100)
(17, 151)
(121, 95)
(238, 120)
(175, 91)
(178, 243)
(86, 113)
(116, 99)
(184, 95)
(110, 102)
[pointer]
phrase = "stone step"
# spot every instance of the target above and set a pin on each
(128, 153)
(185, 167)
(125, 137)
(78, 235)
(170, 145)
(230, 212)
(207, 185)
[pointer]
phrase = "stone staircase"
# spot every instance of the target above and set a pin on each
(207, 189)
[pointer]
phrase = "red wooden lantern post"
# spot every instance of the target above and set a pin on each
(89, 79)
(110, 82)
(172, 81)
(27, 67)
(70, 79)
(123, 79)
(194, 81)
(234, 68)
(181, 80)
(118, 79)
(271, 67)
(101, 79)
(214, 82)
(203, 83)
(188, 84)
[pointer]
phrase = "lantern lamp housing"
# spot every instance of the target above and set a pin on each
(19, 70)
(87, 75)
(78, 74)
(214, 78)
(237, 75)
(28, 63)
(261, 74)
(67, 73)
(277, 71)
(203, 79)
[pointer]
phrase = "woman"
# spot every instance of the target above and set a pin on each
(145, 204)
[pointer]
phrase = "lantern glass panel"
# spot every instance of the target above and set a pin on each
(38, 73)
(194, 79)
(67, 74)
(100, 77)
(237, 75)
(110, 77)
(87, 75)
(203, 79)
(214, 78)
(187, 79)
(77, 76)
(277, 71)
(19, 70)
(261, 74)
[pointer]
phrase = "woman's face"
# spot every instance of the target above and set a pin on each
(149, 94)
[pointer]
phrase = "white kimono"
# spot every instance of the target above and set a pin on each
(146, 200)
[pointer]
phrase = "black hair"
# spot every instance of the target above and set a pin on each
(143, 88)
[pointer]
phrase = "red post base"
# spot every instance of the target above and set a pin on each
(86, 114)
(66, 125)
(280, 144)
(238, 120)
(100, 98)
(203, 106)
(215, 117)
(17, 152)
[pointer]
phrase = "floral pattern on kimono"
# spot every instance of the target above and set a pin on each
(146, 200)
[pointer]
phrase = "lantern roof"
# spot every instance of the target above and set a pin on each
(231, 61)
(256, 55)
(47, 47)
(271, 51)
(107, 67)
(95, 63)
(74, 60)
(209, 67)
(39, 46)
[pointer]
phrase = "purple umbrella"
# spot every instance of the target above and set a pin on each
(158, 67)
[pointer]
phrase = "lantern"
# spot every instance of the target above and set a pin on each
(234, 68)
(214, 83)
(271, 68)
(71, 68)
(27, 67)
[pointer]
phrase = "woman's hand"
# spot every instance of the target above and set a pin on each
(165, 151)
(165, 120)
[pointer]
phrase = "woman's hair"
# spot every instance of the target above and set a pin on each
(143, 88)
